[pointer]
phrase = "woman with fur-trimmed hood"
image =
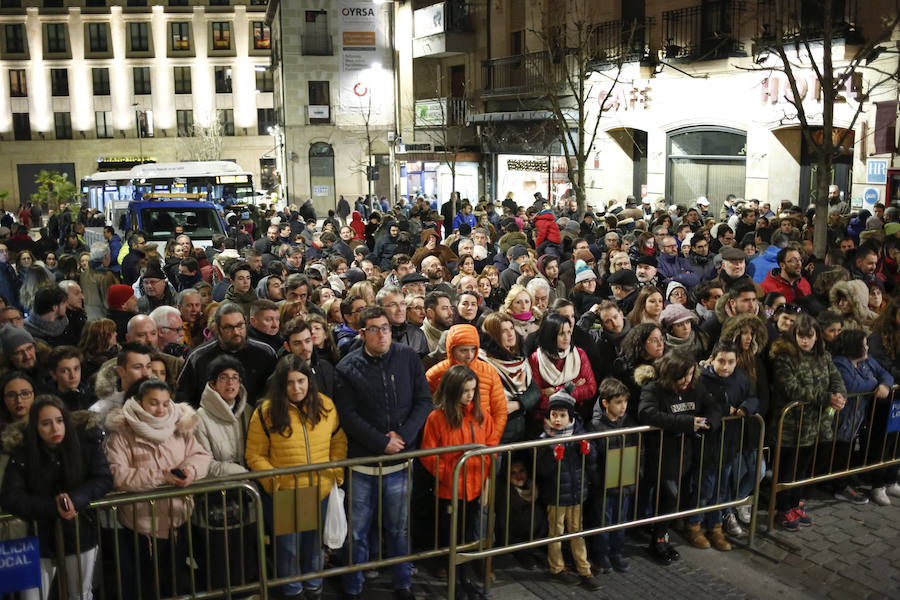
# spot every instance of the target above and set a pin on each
(850, 299)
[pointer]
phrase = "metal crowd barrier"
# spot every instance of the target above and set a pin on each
(829, 460)
(216, 509)
(485, 548)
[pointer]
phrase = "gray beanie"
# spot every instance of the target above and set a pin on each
(12, 337)
(563, 399)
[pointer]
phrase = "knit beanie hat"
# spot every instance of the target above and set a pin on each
(583, 272)
(674, 285)
(12, 337)
(153, 271)
(117, 295)
(563, 399)
(573, 226)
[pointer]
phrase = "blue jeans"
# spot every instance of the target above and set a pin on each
(708, 484)
(612, 543)
(363, 504)
(311, 556)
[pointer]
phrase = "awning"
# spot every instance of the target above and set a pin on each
(516, 115)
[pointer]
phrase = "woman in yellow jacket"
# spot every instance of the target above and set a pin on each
(296, 425)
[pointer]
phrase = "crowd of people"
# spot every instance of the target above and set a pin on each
(371, 333)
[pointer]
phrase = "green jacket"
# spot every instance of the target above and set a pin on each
(798, 376)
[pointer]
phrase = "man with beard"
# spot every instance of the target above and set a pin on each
(646, 271)
(298, 340)
(734, 267)
(438, 317)
(229, 337)
(47, 320)
(624, 287)
(434, 271)
(788, 277)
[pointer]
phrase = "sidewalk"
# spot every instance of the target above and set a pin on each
(850, 552)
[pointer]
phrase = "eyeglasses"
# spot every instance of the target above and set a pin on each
(232, 328)
(376, 329)
(223, 378)
(24, 395)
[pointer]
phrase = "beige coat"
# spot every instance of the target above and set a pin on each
(221, 431)
(138, 464)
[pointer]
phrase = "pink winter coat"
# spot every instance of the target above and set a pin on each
(139, 464)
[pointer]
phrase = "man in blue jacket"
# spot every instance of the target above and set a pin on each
(383, 399)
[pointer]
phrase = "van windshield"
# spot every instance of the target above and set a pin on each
(160, 221)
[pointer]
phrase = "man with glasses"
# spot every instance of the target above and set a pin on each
(391, 299)
(170, 331)
(20, 352)
(156, 289)
(229, 337)
(724, 238)
(788, 278)
(672, 267)
(383, 400)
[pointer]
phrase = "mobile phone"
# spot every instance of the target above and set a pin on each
(65, 503)
(178, 473)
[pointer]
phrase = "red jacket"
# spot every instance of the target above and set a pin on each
(546, 228)
(583, 393)
(358, 227)
(774, 282)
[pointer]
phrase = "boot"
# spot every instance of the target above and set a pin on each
(717, 538)
(696, 537)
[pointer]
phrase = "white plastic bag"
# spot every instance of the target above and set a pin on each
(335, 530)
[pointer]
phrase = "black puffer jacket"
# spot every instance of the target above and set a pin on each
(574, 480)
(17, 498)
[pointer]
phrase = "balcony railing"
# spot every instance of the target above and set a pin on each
(451, 16)
(707, 32)
(804, 19)
(612, 42)
(524, 73)
(438, 112)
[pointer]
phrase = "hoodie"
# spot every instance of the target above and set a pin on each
(490, 388)
(358, 226)
(547, 230)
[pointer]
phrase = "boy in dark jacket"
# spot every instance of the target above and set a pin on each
(731, 389)
(564, 486)
(613, 499)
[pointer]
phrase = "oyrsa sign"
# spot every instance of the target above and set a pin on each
(348, 11)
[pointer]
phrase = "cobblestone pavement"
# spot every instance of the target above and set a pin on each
(850, 552)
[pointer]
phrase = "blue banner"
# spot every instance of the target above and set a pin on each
(20, 565)
(893, 423)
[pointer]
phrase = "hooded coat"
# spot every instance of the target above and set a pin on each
(547, 230)
(438, 434)
(358, 226)
(444, 253)
(139, 464)
(17, 498)
(221, 430)
(490, 388)
(798, 376)
(858, 294)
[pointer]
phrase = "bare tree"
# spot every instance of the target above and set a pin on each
(575, 47)
(204, 142)
(793, 41)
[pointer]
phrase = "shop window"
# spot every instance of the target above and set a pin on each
(706, 161)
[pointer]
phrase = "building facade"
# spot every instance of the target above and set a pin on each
(91, 84)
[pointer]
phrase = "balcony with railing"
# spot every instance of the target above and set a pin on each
(804, 19)
(614, 42)
(531, 73)
(441, 112)
(706, 32)
(443, 29)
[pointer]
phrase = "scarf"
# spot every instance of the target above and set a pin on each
(525, 316)
(553, 376)
(515, 373)
(551, 432)
(432, 334)
(145, 425)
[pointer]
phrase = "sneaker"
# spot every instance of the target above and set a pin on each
(848, 494)
(566, 577)
(893, 490)
(619, 563)
(731, 525)
(370, 574)
(803, 519)
(658, 549)
(744, 512)
(880, 497)
(590, 582)
(788, 520)
(604, 564)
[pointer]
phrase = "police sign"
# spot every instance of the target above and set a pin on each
(20, 565)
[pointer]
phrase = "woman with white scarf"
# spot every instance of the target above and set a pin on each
(152, 444)
(502, 349)
(557, 362)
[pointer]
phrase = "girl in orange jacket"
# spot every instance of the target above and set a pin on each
(457, 419)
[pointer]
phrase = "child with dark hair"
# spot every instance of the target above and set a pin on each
(457, 419)
(613, 500)
(678, 403)
(563, 473)
(728, 385)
